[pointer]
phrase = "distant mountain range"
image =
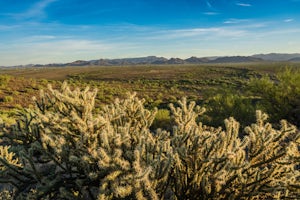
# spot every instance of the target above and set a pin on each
(192, 60)
(278, 56)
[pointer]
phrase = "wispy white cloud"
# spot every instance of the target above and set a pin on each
(61, 43)
(37, 10)
(214, 33)
(36, 38)
(278, 32)
(288, 20)
(72, 45)
(8, 27)
(207, 31)
(43, 49)
(208, 4)
(244, 4)
(211, 13)
(235, 21)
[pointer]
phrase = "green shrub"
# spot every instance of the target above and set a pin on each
(280, 96)
(229, 104)
(8, 99)
(8, 117)
(4, 79)
(64, 149)
(162, 120)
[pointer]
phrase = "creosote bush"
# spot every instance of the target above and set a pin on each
(280, 96)
(64, 148)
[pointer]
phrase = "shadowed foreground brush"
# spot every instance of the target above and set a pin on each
(65, 149)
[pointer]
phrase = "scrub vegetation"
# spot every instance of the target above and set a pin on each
(151, 132)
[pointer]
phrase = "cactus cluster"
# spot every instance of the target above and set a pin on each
(64, 148)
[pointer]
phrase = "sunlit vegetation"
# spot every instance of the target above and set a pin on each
(69, 147)
(223, 89)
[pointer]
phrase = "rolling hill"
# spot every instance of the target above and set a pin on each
(274, 57)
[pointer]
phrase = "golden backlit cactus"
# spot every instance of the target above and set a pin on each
(64, 148)
(210, 163)
(205, 158)
(8, 158)
(71, 151)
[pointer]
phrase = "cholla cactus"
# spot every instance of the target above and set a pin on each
(8, 158)
(129, 152)
(8, 162)
(210, 163)
(69, 151)
(204, 158)
(65, 149)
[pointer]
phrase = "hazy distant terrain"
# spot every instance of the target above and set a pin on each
(154, 60)
(278, 57)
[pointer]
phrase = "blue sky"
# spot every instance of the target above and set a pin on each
(55, 31)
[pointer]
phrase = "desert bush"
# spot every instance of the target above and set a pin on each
(64, 148)
(8, 99)
(8, 116)
(228, 103)
(280, 96)
(162, 120)
(4, 79)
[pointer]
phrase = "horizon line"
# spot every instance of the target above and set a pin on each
(157, 56)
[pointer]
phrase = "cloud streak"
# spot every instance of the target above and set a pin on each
(243, 4)
(36, 11)
(211, 13)
(235, 21)
(208, 4)
(8, 27)
(57, 43)
(41, 49)
(215, 32)
(288, 20)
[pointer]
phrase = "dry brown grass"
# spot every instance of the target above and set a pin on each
(154, 82)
